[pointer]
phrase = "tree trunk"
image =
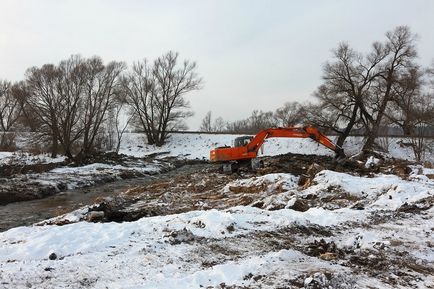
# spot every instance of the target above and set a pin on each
(343, 136)
(54, 146)
(373, 133)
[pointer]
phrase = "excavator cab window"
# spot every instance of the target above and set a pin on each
(242, 140)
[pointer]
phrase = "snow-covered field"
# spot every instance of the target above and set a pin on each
(210, 248)
(357, 232)
(197, 146)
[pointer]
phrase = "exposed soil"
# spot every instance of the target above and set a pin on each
(203, 189)
(9, 170)
(197, 185)
(27, 182)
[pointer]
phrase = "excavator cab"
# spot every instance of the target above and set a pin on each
(242, 140)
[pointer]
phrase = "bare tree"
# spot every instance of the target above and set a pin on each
(10, 110)
(119, 120)
(290, 114)
(256, 122)
(347, 80)
(219, 125)
(422, 110)
(100, 84)
(260, 120)
(400, 53)
(70, 101)
(139, 85)
(44, 102)
(69, 89)
(423, 120)
(156, 93)
(358, 89)
(206, 125)
(322, 115)
(239, 126)
(403, 110)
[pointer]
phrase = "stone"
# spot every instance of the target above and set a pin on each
(95, 216)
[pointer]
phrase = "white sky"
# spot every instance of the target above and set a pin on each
(251, 54)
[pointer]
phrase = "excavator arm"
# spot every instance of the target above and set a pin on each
(250, 150)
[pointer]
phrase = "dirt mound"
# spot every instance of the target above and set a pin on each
(299, 164)
(207, 188)
(325, 250)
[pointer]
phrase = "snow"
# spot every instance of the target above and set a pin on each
(23, 158)
(269, 182)
(198, 249)
(138, 255)
(383, 191)
(108, 245)
(197, 146)
(371, 162)
(97, 167)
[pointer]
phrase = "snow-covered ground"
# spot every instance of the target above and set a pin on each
(356, 232)
(221, 248)
(28, 177)
(197, 146)
(23, 158)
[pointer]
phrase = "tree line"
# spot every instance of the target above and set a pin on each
(76, 106)
(384, 87)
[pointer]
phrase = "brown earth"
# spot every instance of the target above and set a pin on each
(204, 189)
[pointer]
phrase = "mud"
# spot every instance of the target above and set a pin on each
(308, 165)
(33, 211)
(200, 186)
(203, 189)
(35, 181)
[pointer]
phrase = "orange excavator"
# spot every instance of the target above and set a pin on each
(246, 147)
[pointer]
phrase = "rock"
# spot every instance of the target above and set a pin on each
(298, 205)
(317, 281)
(428, 165)
(371, 162)
(178, 237)
(230, 228)
(52, 256)
(306, 179)
(402, 171)
(324, 250)
(328, 256)
(430, 176)
(95, 216)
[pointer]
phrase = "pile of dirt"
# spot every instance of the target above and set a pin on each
(13, 190)
(182, 193)
(203, 189)
(325, 250)
(309, 165)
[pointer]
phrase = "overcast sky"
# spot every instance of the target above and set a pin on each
(250, 54)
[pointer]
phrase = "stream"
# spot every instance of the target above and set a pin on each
(30, 212)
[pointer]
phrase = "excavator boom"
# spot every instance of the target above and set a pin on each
(250, 150)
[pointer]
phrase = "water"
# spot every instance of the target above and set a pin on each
(30, 212)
